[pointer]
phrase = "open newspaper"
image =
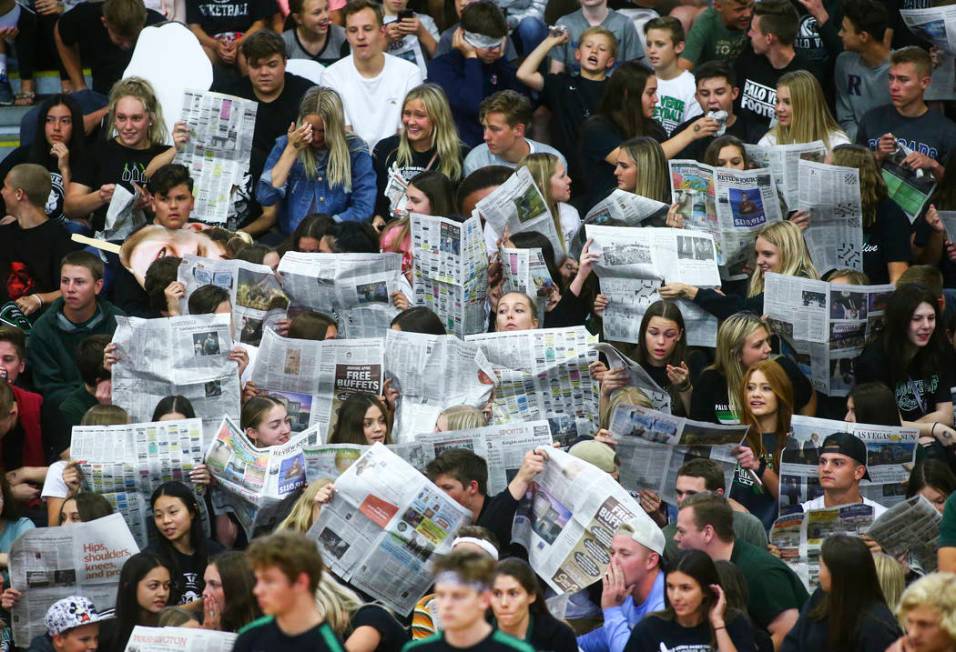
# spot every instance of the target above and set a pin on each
(888, 449)
(218, 150)
(635, 262)
(731, 205)
(543, 373)
(383, 526)
(567, 521)
(122, 216)
(934, 24)
(519, 205)
(179, 639)
(451, 271)
(909, 528)
(254, 291)
(524, 270)
(135, 459)
(827, 323)
(314, 378)
(355, 288)
(652, 446)
(252, 481)
(800, 536)
(431, 373)
(831, 194)
(187, 355)
(622, 208)
(784, 161)
(637, 377)
(911, 189)
(51, 563)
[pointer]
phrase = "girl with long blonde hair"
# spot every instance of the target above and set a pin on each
(552, 179)
(362, 627)
(642, 169)
(802, 114)
(318, 167)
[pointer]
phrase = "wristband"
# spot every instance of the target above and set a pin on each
(37, 297)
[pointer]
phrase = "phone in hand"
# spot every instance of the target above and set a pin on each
(406, 14)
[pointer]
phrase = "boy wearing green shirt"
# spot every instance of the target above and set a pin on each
(719, 32)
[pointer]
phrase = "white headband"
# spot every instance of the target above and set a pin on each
(451, 577)
(481, 543)
(484, 41)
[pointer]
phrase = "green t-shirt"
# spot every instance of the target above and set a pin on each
(710, 39)
(747, 527)
(772, 586)
(947, 527)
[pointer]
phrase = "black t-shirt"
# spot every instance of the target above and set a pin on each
(572, 99)
(753, 495)
(228, 16)
(111, 162)
(54, 205)
(264, 635)
(902, 36)
(886, 241)
(30, 258)
(496, 641)
(189, 583)
(758, 86)
(747, 131)
(655, 634)
(877, 629)
(383, 158)
(394, 636)
(915, 397)
(82, 25)
(548, 634)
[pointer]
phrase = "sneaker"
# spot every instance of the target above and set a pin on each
(6, 92)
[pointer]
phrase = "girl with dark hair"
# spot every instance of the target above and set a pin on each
(911, 356)
(265, 421)
(173, 408)
(362, 419)
(418, 320)
(519, 609)
(307, 237)
(847, 612)
(144, 590)
(209, 299)
(872, 403)
(312, 325)
(84, 507)
(428, 193)
(661, 349)
(696, 615)
(181, 545)
(933, 480)
(228, 601)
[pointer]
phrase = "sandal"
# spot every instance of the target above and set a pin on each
(25, 99)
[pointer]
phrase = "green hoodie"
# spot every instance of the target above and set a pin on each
(51, 349)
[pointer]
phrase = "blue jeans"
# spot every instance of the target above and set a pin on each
(530, 32)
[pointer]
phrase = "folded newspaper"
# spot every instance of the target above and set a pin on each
(909, 528)
(525, 270)
(519, 206)
(831, 194)
(122, 217)
(637, 376)
(383, 527)
(51, 563)
(179, 639)
(622, 208)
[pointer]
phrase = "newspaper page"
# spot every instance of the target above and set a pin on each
(637, 376)
(329, 461)
(827, 323)
(122, 217)
(218, 150)
(252, 481)
(622, 208)
(831, 194)
(800, 536)
(652, 446)
(888, 450)
(519, 205)
(135, 459)
(543, 373)
(731, 205)
(784, 161)
(354, 288)
(187, 355)
(909, 528)
(314, 378)
(633, 265)
(432, 373)
(568, 519)
(911, 189)
(934, 24)
(254, 291)
(451, 271)
(179, 639)
(51, 563)
(524, 270)
(384, 524)
(948, 219)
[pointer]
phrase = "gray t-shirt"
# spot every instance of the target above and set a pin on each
(481, 157)
(629, 46)
(336, 46)
(859, 88)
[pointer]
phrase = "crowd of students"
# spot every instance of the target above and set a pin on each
(418, 107)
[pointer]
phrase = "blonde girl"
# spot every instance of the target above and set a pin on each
(642, 169)
(362, 627)
(802, 114)
(552, 179)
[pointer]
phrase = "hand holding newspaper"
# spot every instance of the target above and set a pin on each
(524, 270)
(622, 208)
(179, 639)
(122, 216)
(519, 205)
(637, 377)
(909, 528)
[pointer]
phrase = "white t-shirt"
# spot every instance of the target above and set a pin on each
(373, 106)
(836, 138)
(817, 503)
(676, 101)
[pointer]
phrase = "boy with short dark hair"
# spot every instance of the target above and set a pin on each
(862, 68)
(95, 386)
(675, 86)
(171, 196)
(13, 353)
(719, 33)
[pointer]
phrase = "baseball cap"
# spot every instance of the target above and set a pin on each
(70, 613)
(599, 454)
(646, 533)
(848, 444)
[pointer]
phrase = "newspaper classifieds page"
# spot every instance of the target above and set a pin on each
(909, 528)
(254, 291)
(187, 355)
(827, 323)
(51, 563)
(354, 288)
(543, 373)
(218, 150)
(383, 526)
(784, 160)
(637, 376)
(252, 481)
(432, 373)
(179, 639)
(831, 194)
(652, 446)
(451, 271)
(567, 521)
(635, 262)
(314, 378)
(524, 270)
(622, 208)
(519, 205)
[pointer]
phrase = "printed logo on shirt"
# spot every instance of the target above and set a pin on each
(134, 172)
(669, 111)
(854, 85)
(915, 146)
(223, 10)
(758, 99)
(908, 401)
(729, 48)
(694, 647)
(808, 36)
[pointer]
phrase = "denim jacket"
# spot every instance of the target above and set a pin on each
(303, 196)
